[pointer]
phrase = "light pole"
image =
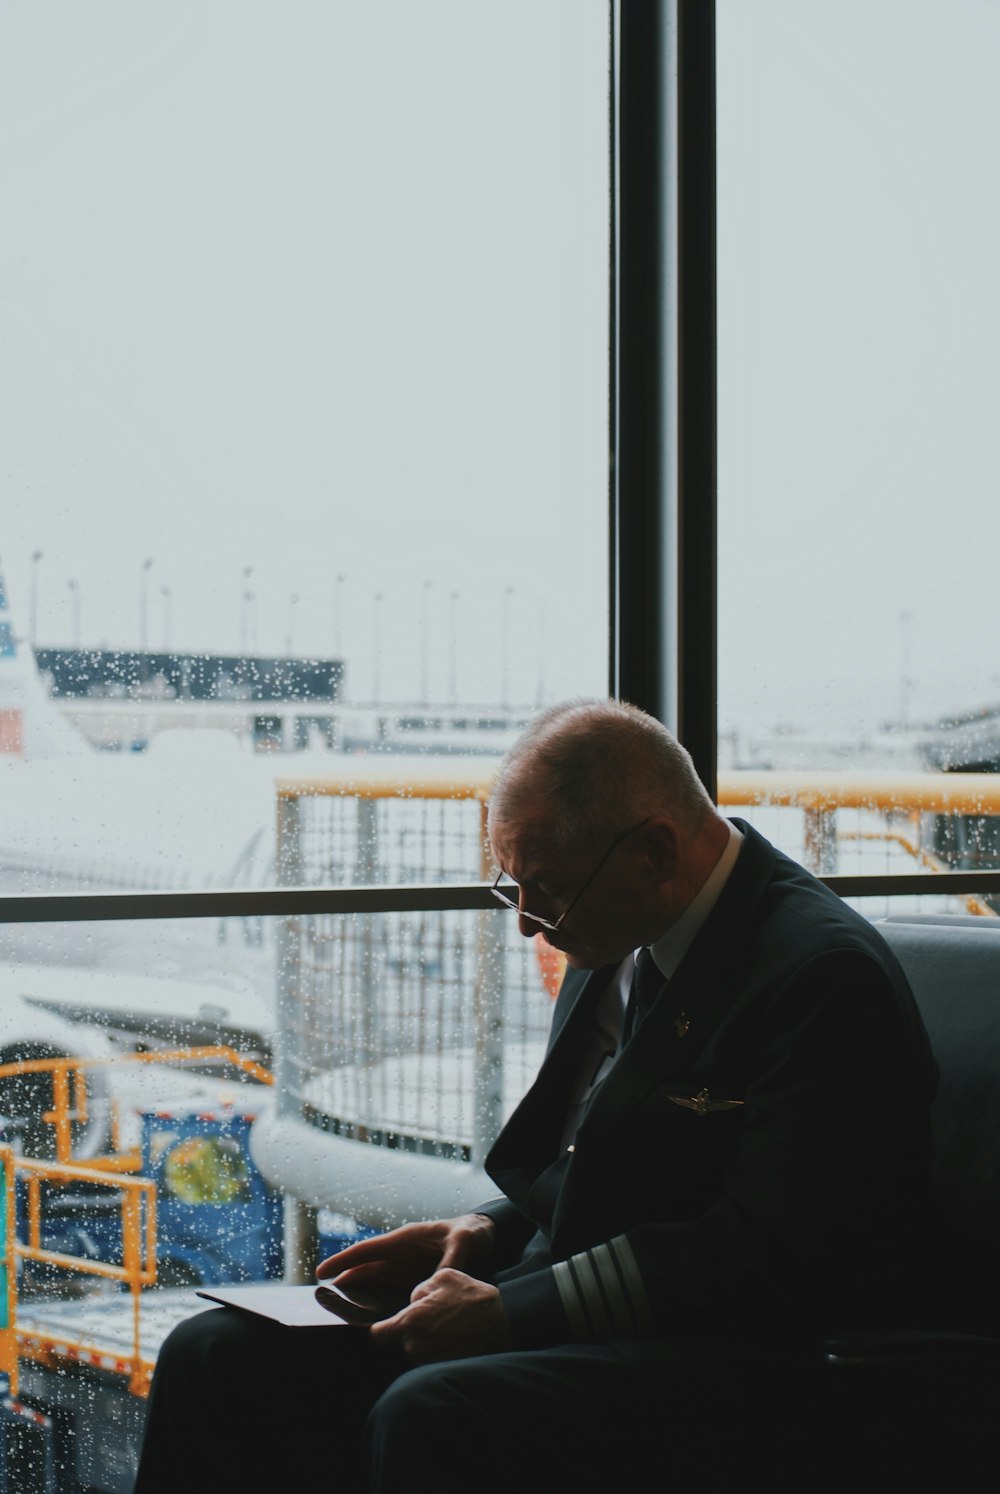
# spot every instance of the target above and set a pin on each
(245, 598)
(293, 602)
(338, 645)
(905, 677)
(36, 556)
(542, 622)
(73, 587)
(508, 592)
(165, 593)
(424, 687)
(250, 602)
(376, 647)
(453, 649)
(338, 636)
(147, 566)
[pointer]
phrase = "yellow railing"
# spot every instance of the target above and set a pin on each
(8, 1267)
(891, 792)
(70, 1095)
(906, 795)
(898, 796)
(137, 1268)
(374, 778)
(450, 778)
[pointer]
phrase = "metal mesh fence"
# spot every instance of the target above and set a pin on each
(420, 1031)
(412, 1030)
(344, 839)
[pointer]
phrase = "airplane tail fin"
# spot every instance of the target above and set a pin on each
(31, 726)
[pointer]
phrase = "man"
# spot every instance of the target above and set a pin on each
(722, 1153)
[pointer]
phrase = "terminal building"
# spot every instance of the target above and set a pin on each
(120, 699)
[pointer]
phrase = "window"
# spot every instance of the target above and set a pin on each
(306, 375)
(857, 312)
(305, 381)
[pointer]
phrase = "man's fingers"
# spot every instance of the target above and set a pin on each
(454, 1254)
(392, 1328)
(360, 1251)
(414, 1318)
(461, 1247)
(368, 1271)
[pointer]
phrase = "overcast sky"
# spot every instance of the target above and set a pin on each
(316, 289)
(319, 289)
(859, 316)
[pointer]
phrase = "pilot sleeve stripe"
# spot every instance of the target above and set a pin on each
(602, 1293)
(589, 1287)
(619, 1306)
(572, 1306)
(632, 1281)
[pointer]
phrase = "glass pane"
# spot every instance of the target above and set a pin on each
(399, 1043)
(305, 382)
(858, 317)
(304, 378)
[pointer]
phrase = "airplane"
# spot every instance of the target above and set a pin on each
(194, 810)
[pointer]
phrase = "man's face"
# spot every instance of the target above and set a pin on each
(612, 893)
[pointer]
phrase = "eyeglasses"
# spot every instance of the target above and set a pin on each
(502, 893)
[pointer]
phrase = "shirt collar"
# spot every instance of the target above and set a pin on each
(671, 947)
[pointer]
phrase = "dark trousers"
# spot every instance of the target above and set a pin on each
(242, 1404)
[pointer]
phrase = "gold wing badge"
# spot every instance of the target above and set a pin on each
(702, 1103)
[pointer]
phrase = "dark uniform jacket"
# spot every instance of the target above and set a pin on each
(757, 1153)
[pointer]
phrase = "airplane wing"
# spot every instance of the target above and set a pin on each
(153, 1011)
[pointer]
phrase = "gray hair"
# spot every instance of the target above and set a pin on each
(599, 766)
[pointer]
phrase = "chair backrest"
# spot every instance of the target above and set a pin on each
(953, 967)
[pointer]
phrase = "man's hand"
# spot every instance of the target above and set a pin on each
(407, 1256)
(450, 1316)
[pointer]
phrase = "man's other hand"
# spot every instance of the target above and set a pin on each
(450, 1316)
(409, 1255)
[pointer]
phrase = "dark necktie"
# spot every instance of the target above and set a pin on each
(647, 983)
